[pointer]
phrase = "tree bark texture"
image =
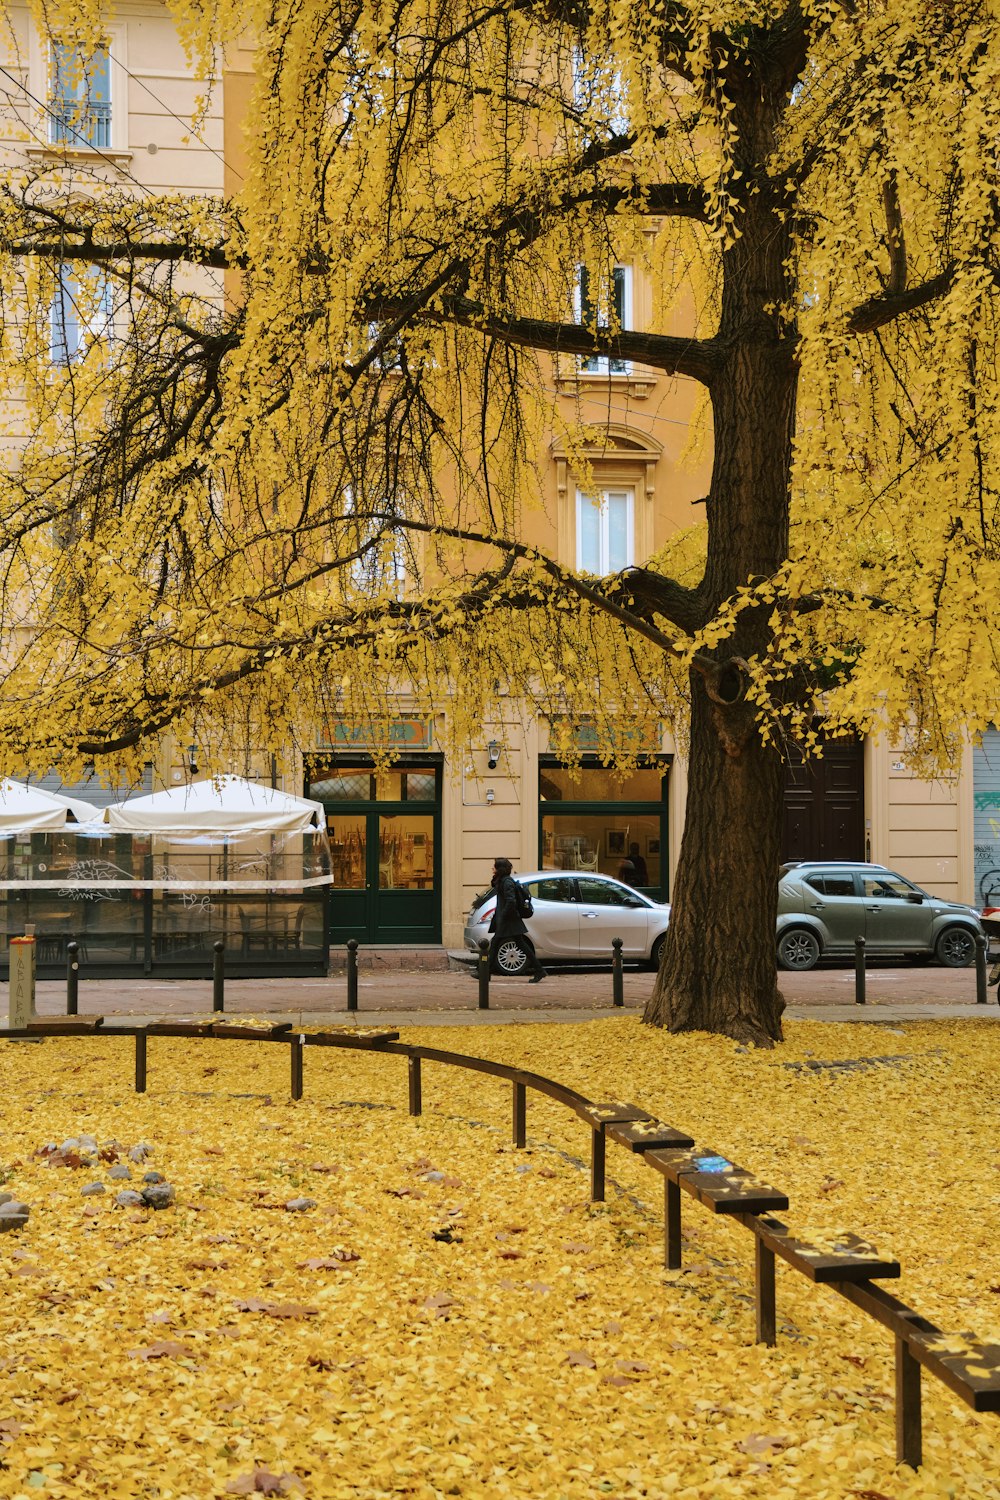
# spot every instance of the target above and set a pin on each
(719, 968)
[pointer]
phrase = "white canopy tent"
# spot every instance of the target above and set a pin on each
(30, 809)
(226, 807)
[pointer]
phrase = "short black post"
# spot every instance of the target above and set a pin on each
(767, 1330)
(72, 978)
(617, 973)
(483, 971)
(297, 1049)
(140, 1062)
(980, 969)
(219, 976)
(352, 973)
(520, 1110)
(859, 971)
(416, 1091)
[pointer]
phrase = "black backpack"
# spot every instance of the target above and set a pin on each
(525, 908)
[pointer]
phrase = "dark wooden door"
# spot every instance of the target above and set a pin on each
(824, 809)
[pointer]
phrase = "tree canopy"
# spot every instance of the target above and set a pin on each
(235, 514)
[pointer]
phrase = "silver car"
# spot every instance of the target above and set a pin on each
(576, 917)
(823, 906)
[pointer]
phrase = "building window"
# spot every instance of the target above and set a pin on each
(596, 821)
(603, 308)
(80, 97)
(81, 313)
(599, 97)
(605, 531)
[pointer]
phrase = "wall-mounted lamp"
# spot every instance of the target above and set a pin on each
(493, 754)
(491, 796)
(192, 753)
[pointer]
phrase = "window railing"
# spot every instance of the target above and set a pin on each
(76, 123)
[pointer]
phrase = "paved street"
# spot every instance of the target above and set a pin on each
(424, 997)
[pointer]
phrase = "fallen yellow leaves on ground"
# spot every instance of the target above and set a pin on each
(341, 1301)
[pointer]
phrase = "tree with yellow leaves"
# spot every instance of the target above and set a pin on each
(229, 520)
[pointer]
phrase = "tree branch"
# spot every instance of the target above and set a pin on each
(878, 311)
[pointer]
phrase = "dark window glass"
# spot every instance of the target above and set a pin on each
(603, 893)
(551, 890)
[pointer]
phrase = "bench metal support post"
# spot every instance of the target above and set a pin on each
(352, 973)
(483, 974)
(671, 1225)
(140, 1062)
(72, 978)
(520, 1113)
(980, 969)
(617, 973)
(296, 1048)
(219, 976)
(597, 1153)
(416, 1101)
(859, 971)
(767, 1331)
(909, 1440)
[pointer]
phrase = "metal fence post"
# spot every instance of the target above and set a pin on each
(352, 973)
(980, 969)
(140, 1062)
(219, 976)
(617, 973)
(859, 971)
(483, 970)
(297, 1050)
(72, 978)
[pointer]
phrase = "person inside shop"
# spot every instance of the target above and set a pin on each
(638, 865)
(507, 921)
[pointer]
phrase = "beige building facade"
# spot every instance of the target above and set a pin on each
(412, 846)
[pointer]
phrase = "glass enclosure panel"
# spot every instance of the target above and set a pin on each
(625, 845)
(348, 837)
(406, 852)
(599, 784)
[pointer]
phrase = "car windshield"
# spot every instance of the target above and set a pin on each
(479, 900)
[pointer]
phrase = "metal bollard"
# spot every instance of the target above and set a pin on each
(219, 977)
(72, 978)
(859, 971)
(483, 972)
(617, 973)
(980, 969)
(352, 973)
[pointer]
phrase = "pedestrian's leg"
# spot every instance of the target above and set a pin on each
(538, 973)
(494, 945)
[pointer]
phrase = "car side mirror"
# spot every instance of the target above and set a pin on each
(632, 901)
(915, 898)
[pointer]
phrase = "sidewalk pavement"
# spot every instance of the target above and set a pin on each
(428, 998)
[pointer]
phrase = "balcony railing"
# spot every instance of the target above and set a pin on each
(80, 124)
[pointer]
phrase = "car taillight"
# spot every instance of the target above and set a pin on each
(485, 912)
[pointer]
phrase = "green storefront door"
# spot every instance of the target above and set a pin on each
(384, 830)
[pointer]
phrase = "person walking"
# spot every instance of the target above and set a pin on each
(507, 921)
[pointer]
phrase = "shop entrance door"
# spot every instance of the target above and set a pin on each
(384, 830)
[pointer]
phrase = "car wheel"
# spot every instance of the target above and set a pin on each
(798, 949)
(511, 957)
(656, 952)
(955, 948)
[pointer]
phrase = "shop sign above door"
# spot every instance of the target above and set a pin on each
(399, 734)
(645, 739)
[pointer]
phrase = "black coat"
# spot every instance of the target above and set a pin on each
(507, 920)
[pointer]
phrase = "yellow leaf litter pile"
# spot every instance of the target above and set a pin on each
(440, 1314)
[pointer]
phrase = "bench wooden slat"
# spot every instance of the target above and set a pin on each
(180, 1028)
(65, 1025)
(613, 1113)
(717, 1182)
(846, 1258)
(360, 1040)
(257, 1032)
(648, 1135)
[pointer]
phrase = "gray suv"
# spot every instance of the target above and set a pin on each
(823, 907)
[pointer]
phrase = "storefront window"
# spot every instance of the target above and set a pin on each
(599, 784)
(350, 784)
(596, 821)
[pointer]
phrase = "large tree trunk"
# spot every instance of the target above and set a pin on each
(719, 965)
(718, 971)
